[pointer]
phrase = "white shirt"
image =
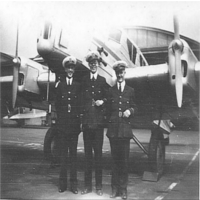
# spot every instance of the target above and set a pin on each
(93, 75)
(69, 80)
(122, 85)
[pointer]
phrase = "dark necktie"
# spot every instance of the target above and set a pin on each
(120, 88)
(93, 79)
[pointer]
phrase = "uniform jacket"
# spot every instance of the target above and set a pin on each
(117, 103)
(93, 116)
(68, 104)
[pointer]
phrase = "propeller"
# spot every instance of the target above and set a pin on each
(178, 48)
(16, 65)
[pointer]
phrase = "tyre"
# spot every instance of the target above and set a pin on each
(52, 151)
(156, 156)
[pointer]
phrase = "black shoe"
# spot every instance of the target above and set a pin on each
(62, 186)
(74, 190)
(61, 189)
(99, 192)
(86, 190)
(114, 194)
(124, 195)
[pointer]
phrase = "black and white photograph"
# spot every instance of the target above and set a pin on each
(99, 100)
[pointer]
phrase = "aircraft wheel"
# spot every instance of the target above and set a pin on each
(156, 152)
(52, 145)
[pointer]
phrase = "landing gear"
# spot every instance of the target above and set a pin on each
(156, 155)
(52, 151)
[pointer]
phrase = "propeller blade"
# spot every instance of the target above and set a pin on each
(178, 48)
(176, 28)
(178, 81)
(15, 73)
(15, 83)
(17, 40)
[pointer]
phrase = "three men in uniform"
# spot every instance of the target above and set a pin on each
(95, 97)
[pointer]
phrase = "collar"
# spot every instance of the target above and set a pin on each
(69, 80)
(95, 75)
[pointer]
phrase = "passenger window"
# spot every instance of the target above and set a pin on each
(131, 50)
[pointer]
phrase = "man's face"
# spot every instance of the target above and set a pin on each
(93, 66)
(120, 75)
(70, 71)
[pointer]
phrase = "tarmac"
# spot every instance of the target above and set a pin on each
(25, 175)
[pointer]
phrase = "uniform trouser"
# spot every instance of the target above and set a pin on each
(120, 154)
(69, 155)
(93, 140)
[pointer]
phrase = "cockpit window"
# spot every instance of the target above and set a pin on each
(131, 50)
(115, 35)
(63, 41)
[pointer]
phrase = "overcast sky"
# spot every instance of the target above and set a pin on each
(157, 14)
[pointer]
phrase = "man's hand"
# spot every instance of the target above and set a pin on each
(126, 113)
(99, 102)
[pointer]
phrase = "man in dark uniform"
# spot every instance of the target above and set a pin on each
(120, 107)
(68, 123)
(94, 89)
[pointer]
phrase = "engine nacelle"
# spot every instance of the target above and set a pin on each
(28, 76)
(188, 62)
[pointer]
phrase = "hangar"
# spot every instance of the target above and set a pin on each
(154, 42)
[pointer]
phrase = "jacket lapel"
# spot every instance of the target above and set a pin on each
(115, 88)
(125, 90)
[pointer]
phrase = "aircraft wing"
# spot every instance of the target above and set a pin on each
(33, 79)
(156, 96)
